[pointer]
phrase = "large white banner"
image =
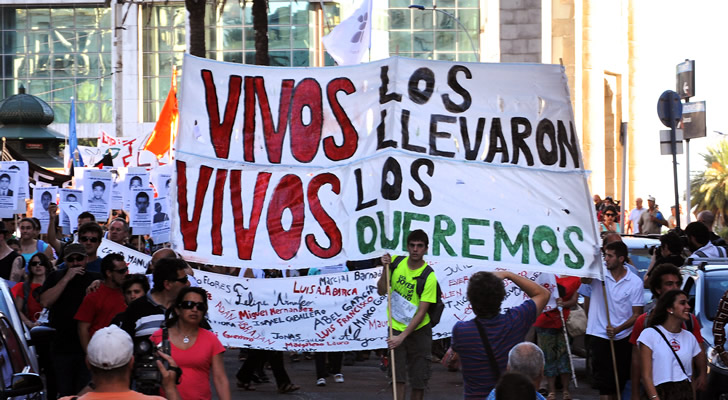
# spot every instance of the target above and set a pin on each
(297, 167)
(333, 312)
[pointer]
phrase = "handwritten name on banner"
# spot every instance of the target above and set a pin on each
(332, 312)
(135, 260)
(301, 167)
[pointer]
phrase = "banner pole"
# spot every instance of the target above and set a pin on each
(391, 351)
(568, 346)
(611, 341)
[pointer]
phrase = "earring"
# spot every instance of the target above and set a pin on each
(671, 312)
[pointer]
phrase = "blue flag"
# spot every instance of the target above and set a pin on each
(72, 138)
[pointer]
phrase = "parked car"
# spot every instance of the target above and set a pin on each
(705, 281)
(19, 372)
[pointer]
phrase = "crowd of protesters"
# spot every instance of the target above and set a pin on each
(60, 281)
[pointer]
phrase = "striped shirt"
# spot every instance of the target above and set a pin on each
(504, 331)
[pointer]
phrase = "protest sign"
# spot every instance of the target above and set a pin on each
(136, 261)
(117, 190)
(70, 205)
(9, 192)
(333, 312)
(301, 167)
(140, 217)
(160, 221)
(21, 183)
(97, 186)
(42, 198)
(162, 179)
(134, 178)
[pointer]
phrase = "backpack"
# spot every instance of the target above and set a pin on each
(435, 310)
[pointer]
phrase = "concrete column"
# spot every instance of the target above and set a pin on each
(593, 97)
(632, 83)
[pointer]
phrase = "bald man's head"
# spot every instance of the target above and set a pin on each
(707, 218)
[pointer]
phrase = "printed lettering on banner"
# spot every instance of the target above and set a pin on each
(294, 168)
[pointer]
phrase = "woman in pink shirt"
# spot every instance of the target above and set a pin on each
(196, 350)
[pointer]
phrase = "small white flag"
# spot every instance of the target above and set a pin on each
(348, 42)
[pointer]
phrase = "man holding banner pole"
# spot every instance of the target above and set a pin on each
(609, 323)
(411, 341)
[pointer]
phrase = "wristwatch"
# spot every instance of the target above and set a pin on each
(178, 371)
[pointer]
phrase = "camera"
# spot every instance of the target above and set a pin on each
(652, 249)
(146, 375)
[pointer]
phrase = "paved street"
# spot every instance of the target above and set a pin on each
(364, 380)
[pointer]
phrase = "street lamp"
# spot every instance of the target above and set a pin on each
(472, 45)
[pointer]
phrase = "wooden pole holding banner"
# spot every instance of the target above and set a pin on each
(568, 346)
(389, 313)
(611, 340)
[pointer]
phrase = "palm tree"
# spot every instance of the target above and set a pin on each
(709, 189)
(196, 8)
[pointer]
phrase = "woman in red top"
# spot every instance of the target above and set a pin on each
(29, 309)
(196, 350)
(551, 339)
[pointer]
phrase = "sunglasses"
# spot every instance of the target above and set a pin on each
(121, 270)
(610, 215)
(33, 263)
(180, 280)
(92, 239)
(189, 304)
(75, 259)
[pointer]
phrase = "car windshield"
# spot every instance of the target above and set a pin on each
(641, 260)
(716, 283)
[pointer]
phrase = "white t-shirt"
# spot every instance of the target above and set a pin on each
(622, 296)
(685, 345)
(634, 216)
(709, 251)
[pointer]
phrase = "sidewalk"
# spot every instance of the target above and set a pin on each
(364, 380)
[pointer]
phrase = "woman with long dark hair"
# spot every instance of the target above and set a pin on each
(39, 267)
(196, 350)
(609, 220)
(667, 351)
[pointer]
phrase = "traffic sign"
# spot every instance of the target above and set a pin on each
(693, 120)
(686, 79)
(669, 108)
(666, 143)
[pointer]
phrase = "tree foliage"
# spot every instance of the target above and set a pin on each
(709, 189)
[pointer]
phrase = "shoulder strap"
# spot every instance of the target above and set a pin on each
(394, 264)
(673, 350)
(701, 254)
(422, 279)
(488, 349)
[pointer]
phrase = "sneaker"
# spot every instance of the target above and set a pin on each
(339, 378)
(321, 382)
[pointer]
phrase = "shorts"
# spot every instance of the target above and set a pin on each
(602, 367)
(413, 357)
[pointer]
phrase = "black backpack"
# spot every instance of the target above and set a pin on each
(435, 310)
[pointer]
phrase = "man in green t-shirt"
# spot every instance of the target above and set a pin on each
(412, 332)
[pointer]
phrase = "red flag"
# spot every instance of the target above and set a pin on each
(165, 130)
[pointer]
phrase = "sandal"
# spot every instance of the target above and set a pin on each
(551, 396)
(567, 395)
(288, 388)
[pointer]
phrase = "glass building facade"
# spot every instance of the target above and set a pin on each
(58, 53)
(434, 34)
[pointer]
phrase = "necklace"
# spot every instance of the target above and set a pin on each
(186, 339)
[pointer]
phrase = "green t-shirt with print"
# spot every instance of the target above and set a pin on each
(404, 285)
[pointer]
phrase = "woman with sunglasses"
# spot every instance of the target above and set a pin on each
(667, 351)
(196, 350)
(27, 304)
(29, 242)
(609, 220)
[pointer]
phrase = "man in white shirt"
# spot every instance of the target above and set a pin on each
(633, 221)
(626, 300)
(699, 242)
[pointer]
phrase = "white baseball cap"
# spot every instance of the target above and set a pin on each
(110, 348)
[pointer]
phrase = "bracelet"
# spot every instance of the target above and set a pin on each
(654, 396)
(178, 372)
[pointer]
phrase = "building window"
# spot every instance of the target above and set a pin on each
(431, 34)
(163, 47)
(58, 53)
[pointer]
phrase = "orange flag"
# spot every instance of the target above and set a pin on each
(165, 130)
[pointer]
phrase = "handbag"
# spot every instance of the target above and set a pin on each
(576, 322)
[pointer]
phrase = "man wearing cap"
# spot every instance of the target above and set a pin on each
(100, 307)
(12, 265)
(145, 315)
(651, 221)
(111, 360)
(62, 293)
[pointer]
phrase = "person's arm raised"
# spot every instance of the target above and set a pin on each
(539, 294)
